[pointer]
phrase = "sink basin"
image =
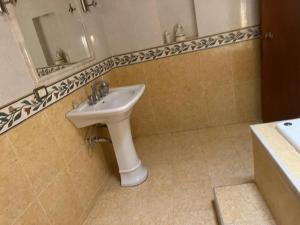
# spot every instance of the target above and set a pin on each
(114, 107)
(114, 110)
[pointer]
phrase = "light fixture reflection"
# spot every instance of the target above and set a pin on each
(243, 13)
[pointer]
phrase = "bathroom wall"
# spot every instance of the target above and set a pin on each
(212, 87)
(132, 25)
(216, 16)
(171, 12)
(16, 79)
(48, 175)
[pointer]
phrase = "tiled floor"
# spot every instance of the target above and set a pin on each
(184, 167)
(237, 208)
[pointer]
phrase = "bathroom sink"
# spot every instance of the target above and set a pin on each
(114, 110)
(114, 107)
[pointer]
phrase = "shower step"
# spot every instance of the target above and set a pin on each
(241, 205)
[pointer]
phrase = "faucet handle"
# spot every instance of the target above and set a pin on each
(104, 87)
(96, 92)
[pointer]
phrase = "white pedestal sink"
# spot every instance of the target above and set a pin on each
(114, 110)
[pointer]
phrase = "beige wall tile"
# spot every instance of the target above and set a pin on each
(162, 87)
(212, 134)
(15, 189)
(221, 103)
(171, 93)
(34, 215)
(146, 124)
(215, 64)
(186, 64)
(84, 177)
(37, 150)
(41, 147)
(238, 130)
(248, 101)
(70, 138)
(61, 202)
(213, 87)
(141, 125)
(189, 103)
(246, 61)
(103, 160)
(112, 78)
(130, 75)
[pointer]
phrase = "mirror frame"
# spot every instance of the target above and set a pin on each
(57, 75)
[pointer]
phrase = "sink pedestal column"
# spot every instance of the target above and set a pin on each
(130, 166)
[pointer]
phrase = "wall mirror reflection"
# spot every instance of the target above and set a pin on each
(54, 34)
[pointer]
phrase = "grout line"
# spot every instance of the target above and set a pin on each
(35, 197)
(97, 194)
(198, 129)
(44, 210)
(24, 212)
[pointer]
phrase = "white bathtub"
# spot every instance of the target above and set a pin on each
(290, 130)
(281, 149)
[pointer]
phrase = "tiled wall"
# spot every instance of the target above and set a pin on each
(23, 108)
(206, 88)
(48, 174)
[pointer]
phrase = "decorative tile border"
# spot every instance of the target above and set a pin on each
(43, 71)
(22, 109)
(26, 107)
(188, 46)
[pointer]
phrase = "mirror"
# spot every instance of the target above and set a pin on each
(162, 22)
(54, 34)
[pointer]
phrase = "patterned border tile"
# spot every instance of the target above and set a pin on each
(17, 112)
(43, 71)
(22, 109)
(188, 46)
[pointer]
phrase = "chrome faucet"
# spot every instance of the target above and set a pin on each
(99, 90)
(104, 88)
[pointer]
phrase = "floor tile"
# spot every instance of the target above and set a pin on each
(183, 169)
(202, 217)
